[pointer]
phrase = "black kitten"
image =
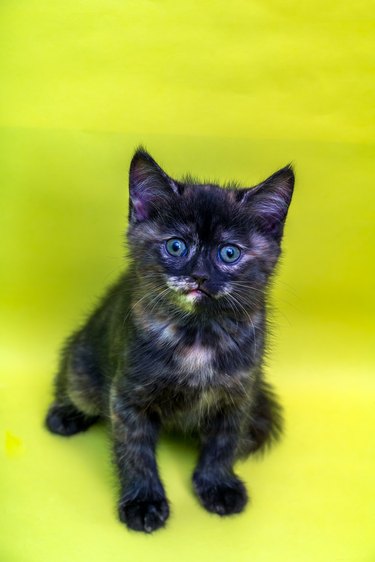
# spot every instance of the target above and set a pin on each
(178, 341)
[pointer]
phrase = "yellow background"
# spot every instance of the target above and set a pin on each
(227, 90)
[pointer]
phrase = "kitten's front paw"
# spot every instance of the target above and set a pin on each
(146, 516)
(222, 497)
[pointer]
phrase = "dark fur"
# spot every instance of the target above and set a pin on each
(150, 358)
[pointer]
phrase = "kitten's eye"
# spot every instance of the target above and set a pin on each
(176, 247)
(229, 253)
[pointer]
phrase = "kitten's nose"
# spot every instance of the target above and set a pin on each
(200, 278)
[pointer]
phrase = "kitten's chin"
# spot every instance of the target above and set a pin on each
(192, 300)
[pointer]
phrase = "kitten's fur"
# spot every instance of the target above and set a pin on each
(154, 355)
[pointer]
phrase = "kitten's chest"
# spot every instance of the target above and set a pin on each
(212, 357)
(193, 369)
(200, 381)
(194, 373)
(188, 411)
(200, 354)
(198, 363)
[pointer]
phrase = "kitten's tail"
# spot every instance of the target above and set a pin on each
(265, 425)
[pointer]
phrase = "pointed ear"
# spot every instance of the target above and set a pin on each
(269, 201)
(149, 187)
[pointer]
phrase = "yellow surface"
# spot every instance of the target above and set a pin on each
(224, 90)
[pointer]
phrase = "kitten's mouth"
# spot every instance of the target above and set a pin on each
(198, 293)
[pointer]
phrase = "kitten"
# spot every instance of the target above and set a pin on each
(178, 341)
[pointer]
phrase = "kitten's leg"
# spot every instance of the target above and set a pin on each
(77, 393)
(143, 505)
(215, 483)
(266, 422)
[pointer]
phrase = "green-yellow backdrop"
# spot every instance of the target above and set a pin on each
(225, 90)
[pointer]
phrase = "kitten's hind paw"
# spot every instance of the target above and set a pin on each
(66, 420)
(146, 516)
(222, 497)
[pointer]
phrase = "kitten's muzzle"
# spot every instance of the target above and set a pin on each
(198, 291)
(200, 278)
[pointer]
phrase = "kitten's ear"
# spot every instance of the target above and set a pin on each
(269, 201)
(149, 187)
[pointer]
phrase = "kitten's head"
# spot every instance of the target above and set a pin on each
(201, 247)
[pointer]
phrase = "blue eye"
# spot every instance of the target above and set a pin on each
(229, 253)
(176, 247)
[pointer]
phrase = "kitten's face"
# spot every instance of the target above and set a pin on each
(202, 247)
